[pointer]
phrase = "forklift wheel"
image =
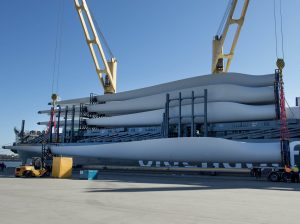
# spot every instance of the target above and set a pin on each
(46, 174)
(274, 177)
(27, 173)
(286, 177)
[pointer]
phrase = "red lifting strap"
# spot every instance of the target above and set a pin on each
(52, 120)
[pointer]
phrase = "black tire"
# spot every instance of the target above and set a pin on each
(286, 177)
(213, 173)
(274, 177)
(46, 174)
(27, 173)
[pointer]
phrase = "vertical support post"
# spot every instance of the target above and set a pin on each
(285, 153)
(297, 101)
(276, 93)
(51, 125)
(179, 122)
(65, 125)
(80, 120)
(22, 131)
(167, 114)
(284, 131)
(163, 129)
(205, 113)
(58, 124)
(193, 116)
(93, 99)
(72, 127)
(43, 159)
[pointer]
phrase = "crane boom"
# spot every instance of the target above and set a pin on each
(109, 79)
(218, 56)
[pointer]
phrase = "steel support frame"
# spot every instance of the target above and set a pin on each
(22, 131)
(65, 123)
(166, 116)
(51, 125)
(73, 124)
(46, 155)
(58, 124)
(276, 94)
(285, 153)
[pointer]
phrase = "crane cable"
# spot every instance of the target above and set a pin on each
(60, 46)
(57, 50)
(281, 29)
(56, 68)
(223, 21)
(102, 37)
(284, 131)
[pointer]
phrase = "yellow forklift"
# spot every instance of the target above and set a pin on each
(39, 166)
(34, 170)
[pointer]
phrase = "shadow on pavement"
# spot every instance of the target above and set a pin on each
(188, 183)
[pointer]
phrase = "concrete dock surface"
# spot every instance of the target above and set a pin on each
(148, 198)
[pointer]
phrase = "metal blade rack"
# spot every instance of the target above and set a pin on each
(180, 99)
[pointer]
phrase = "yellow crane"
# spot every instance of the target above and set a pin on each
(108, 72)
(218, 56)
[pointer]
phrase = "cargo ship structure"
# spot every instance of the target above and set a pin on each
(222, 119)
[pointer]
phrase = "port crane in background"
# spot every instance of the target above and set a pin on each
(218, 56)
(108, 73)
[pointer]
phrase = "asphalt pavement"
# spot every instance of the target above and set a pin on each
(148, 198)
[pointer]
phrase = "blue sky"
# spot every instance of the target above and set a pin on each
(154, 41)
